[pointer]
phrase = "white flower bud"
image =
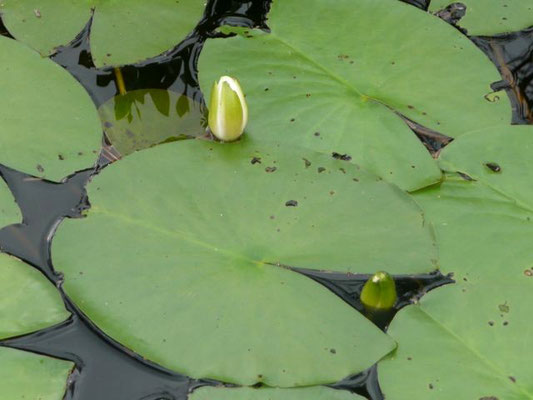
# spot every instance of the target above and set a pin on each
(228, 112)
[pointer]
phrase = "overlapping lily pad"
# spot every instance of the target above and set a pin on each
(204, 233)
(333, 83)
(143, 118)
(123, 32)
(49, 125)
(311, 393)
(9, 210)
(471, 340)
(490, 17)
(30, 376)
(29, 302)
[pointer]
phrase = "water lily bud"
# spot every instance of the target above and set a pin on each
(228, 112)
(379, 292)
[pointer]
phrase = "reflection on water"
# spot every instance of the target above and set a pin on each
(143, 118)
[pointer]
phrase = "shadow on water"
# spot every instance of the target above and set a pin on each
(104, 369)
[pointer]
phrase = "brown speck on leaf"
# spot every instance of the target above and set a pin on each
(465, 176)
(37, 13)
(333, 351)
(272, 217)
(528, 272)
(504, 308)
(291, 203)
(342, 170)
(256, 160)
(430, 386)
(410, 107)
(488, 398)
(306, 162)
(355, 179)
(491, 323)
(266, 89)
(493, 167)
(409, 358)
(512, 379)
(40, 168)
(343, 157)
(317, 133)
(270, 169)
(60, 157)
(505, 323)
(321, 169)
(331, 192)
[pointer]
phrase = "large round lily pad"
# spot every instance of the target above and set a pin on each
(490, 17)
(310, 393)
(209, 230)
(334, 84)
(477, 330)
(27, 376)
(49, 126)
(28, 301)
(123, 32)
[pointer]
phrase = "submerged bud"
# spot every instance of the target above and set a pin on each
(379, 292)
(228, 112)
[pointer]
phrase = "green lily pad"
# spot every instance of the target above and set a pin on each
(210, 229)
(123, 32)
(310, 393)
(333, 84)
(474, 331)
(50, 127)
(490, 17)
(29, 301)
(9, 210)
(26, 376)
(143, 118)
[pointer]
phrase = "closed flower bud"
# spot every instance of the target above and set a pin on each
(228, 112)
(379, 292)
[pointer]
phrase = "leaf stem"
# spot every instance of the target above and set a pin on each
(120, 80)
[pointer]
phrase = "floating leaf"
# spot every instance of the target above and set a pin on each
(122, 32)
(474, 331)
(9, 210)
(49, 126)
(143, 118)
(31, 376)
(310, 393)
(209, 229)
(28, 302)
(333, 84)
(489, 17)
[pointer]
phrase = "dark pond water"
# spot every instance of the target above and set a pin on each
(104, 369)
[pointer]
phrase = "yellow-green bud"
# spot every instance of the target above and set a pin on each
(228, 112)
(379, 292)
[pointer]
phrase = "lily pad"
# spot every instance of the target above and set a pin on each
(9, 210)
(211, 230)
(122, 32)
(31, 376)
(29, 301)
(45, 135)
(478, 327)
(310, 393)
(334, 84)
(490, 17)
(143, 118)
